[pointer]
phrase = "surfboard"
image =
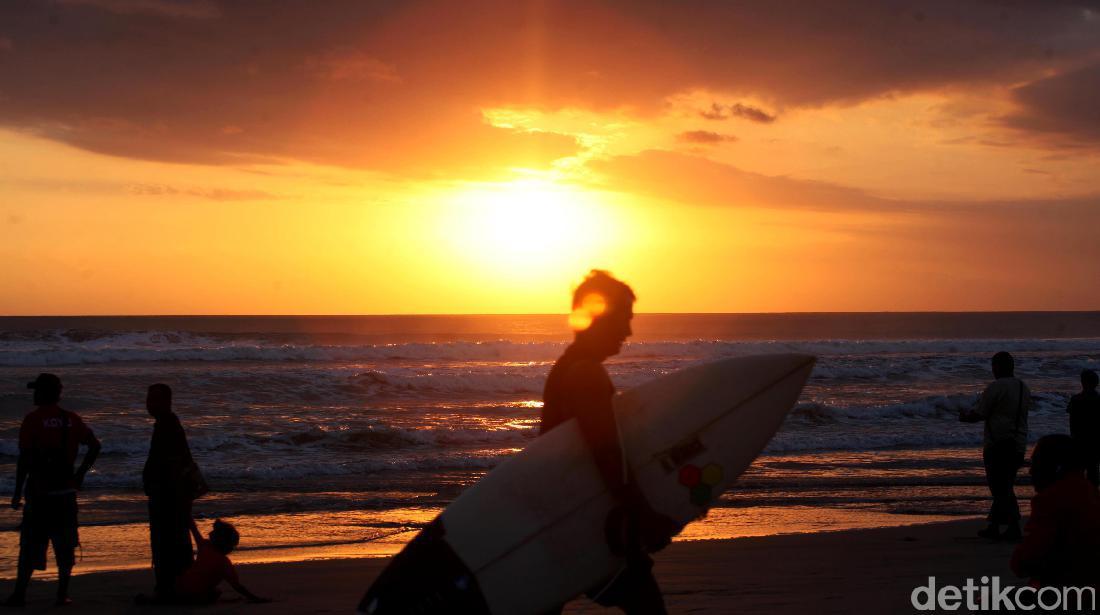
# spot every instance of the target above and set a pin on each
(529, 536)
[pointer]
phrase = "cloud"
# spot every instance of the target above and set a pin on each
(743, 111)
(704, 137)
(398, 86)
(351, 65)
(694, 180)
(191, 9)
(213, 194)
(1064, 107)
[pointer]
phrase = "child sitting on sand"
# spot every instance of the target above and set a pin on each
(199, 583)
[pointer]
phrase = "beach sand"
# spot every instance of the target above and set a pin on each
(855, 571)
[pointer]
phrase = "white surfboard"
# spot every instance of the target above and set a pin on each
(530, 535)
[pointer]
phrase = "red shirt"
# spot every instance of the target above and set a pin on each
(1062, 538)
(211, 567)
(43, 431)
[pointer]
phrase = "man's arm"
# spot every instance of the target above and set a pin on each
(195, 533)
(980, 411)
(23, 464)
(230, 574)
(21, 468)
(588, 397)
(94, 447)
(242, 590)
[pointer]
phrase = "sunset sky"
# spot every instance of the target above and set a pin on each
(305, 157)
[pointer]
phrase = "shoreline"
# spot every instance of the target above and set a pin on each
(113, 548)
(861, 570)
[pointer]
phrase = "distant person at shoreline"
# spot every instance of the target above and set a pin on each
(1003, 407)
(578, 387)
(49, 440)
(172, 482)
(1061, 546)
(1084, 423)
(199, 583)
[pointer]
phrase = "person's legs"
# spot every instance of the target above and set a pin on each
(645, 597)
(157, 531)
(991, 531)
(635, 590)
(180, 555)
(33, 540)
(170, 541)
(1002, 461)
(64, 535)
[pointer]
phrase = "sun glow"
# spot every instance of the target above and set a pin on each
(528, 226)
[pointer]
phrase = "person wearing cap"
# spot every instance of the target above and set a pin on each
(49, 440)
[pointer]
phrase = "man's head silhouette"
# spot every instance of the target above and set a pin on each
(602, 310)
(47, 389)
(159, 399)
(1004, 366)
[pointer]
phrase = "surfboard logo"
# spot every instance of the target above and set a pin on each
(700, 482)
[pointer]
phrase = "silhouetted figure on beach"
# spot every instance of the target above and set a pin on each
(199, 583)
(1084, 423)
(165, 481)
(1061, 546)
(49, 441)
(1003, 406)
(579, 387)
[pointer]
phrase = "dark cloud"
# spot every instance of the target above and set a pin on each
(190, 9)
(704, 137)
(398, 86)
(1065, 107)
(739, 110)
(213, 194)
(694, 180)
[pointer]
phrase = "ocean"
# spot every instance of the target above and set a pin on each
(340, 436)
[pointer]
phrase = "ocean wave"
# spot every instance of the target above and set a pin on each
(77, 348)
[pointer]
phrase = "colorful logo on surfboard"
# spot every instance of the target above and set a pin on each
(700, 481)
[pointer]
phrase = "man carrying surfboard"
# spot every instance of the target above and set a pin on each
(579, 387)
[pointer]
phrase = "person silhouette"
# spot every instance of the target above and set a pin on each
(49, 440)
(578, 387)
(1062, 536)
(1084, 423)
(1003, 407)
(169, 504)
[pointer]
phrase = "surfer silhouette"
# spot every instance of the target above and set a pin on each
(578, 387)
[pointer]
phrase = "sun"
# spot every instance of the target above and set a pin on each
(527, 226)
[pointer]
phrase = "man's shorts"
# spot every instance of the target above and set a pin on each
(49, 519)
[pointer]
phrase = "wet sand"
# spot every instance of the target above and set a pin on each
(853, 571)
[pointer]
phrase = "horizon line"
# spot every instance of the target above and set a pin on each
(471, 314)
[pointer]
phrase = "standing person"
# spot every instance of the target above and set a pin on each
(49, 441)
(578, 387)
(1003, 406)
(169, 501)
(1084, 424)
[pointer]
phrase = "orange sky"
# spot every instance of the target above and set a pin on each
(170, 157)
